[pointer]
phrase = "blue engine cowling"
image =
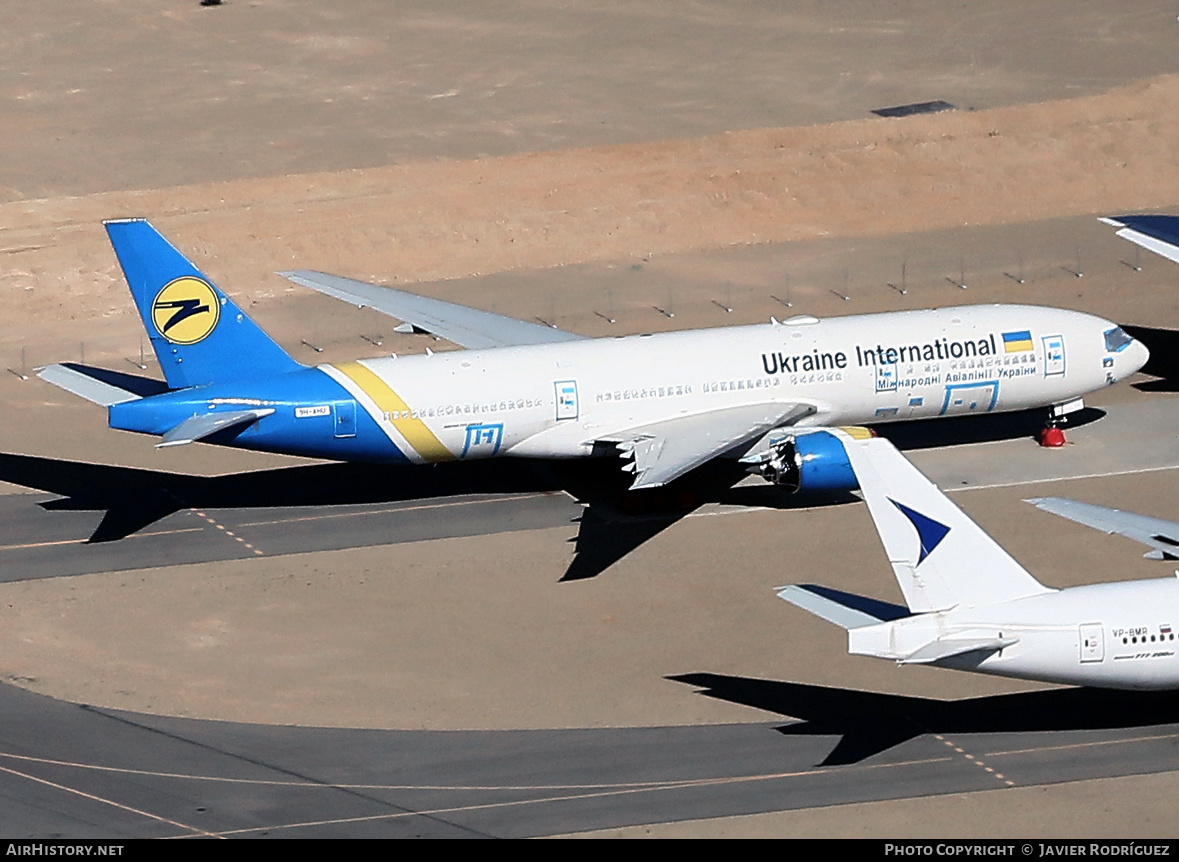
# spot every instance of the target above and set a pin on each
(814, 462)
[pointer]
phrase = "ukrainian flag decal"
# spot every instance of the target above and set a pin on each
(1017, 342)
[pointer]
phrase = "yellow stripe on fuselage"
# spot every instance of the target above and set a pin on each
(415, 431)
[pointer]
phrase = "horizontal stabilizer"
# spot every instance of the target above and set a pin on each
(845, 610)
(1156, 233)
(948, 647)
(1155, 533)
(199, 427)
(466, 327)
(99, 385)
(664, 451)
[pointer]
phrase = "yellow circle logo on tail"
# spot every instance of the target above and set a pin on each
(186, 310)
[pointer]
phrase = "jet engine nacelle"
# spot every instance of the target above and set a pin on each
(815, 462)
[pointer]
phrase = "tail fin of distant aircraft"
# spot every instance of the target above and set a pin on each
(940, 557)
(198, 333)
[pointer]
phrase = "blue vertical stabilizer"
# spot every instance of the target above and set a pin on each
(199, 335)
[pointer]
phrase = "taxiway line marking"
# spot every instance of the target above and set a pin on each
(1093, 744)
(669, 784)
(704, 782)
(278, 521)
(977, 761)
(194, 829)
(1049, 479)
(729, 509)
(325, 517)
(229, 533)
(83, 541)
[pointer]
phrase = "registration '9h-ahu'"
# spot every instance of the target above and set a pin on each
(666, 403)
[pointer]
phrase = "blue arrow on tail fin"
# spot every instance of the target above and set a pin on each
(931, 532)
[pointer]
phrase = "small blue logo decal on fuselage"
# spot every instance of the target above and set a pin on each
(483, 439)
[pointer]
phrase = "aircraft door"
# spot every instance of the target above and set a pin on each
(1053, 355)
(1092, 643)
(345, 413)
(566, 392)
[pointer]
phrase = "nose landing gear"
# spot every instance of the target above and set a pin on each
(1051, 436)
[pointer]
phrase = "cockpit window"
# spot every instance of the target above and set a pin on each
(1116, 340)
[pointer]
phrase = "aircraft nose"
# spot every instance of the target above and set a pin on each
(1124, 354)
(1138, 357)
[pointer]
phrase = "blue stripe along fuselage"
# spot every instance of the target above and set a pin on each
(325, 429)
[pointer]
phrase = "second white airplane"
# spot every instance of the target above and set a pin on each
(972, 607)
(667, 403)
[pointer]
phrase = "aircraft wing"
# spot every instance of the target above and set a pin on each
(664, 451)
(465, 326)
(1155, 533)
(1157, 233)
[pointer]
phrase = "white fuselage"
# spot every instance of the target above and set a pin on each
(556, 400)
(1112, 635)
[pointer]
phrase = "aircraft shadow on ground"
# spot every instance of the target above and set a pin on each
(1163, 345)
(614, 523)
(134, 498)
(870, 723)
